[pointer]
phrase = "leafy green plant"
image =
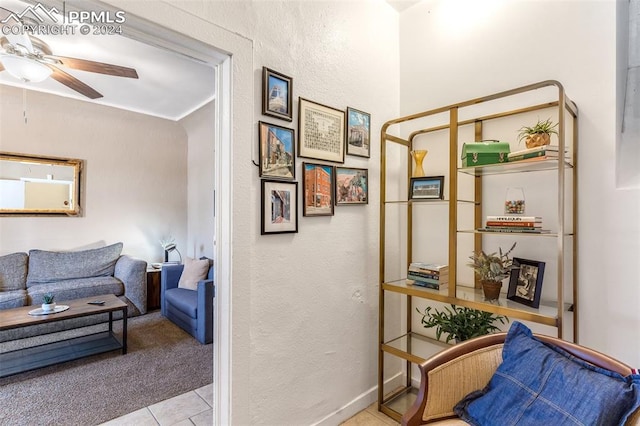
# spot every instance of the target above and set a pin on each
(47, 299)
(460, 323)
(546, 126)
(493, 266)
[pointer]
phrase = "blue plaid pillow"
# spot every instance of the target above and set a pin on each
(538, 384)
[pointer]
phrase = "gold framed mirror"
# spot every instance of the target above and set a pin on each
(35, 185)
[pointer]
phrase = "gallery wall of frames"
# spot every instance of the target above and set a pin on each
(324, 136)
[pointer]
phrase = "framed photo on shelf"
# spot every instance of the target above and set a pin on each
(320, 131)
(277, 151)
(525, 283)
(358, 133)
(277, 91)
(279, 207)
(352, 186)
(317, 187)
(427, 188)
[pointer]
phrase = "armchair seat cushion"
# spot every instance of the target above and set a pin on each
(184, 300)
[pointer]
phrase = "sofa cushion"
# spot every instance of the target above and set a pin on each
(13, 299)
(76, 289)
(13, 272)
(194, 271)
(52, 266)
(541, 384)
(184, 300)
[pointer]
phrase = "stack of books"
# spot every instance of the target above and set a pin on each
(544, 152)
(428, 275)
(514, 223)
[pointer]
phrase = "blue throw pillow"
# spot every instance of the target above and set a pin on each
(537, 384)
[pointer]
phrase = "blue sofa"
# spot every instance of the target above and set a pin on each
(191, 310)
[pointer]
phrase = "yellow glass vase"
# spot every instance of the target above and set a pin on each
(418, 157)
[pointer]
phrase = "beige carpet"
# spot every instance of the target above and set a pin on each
(162, 361)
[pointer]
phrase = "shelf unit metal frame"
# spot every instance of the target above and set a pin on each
(564, 106)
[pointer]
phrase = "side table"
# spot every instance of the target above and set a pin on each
(153, 289)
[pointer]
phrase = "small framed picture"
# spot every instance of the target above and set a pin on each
(277, 91)
(358, 132)
(277, 151)
(279, 207)
(427, 188)
(317, 184)
(525, 283)
(352, 186)
(321, 131)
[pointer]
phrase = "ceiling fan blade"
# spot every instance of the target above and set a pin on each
(98, 67)
(73, 83)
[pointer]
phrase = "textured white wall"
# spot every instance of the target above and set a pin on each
(313, 301)
(200, 128)
(134, 177)
(453, 51)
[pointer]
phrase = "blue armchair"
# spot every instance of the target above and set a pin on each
(191, 310)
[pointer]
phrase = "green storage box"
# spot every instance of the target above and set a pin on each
(484, 152)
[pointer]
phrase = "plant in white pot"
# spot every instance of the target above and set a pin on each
(47, 302)
(492, 269)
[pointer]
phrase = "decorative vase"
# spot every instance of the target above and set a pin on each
(514, 201)
(48, 307)
(418, 157)
(537, 139)
(491, 289)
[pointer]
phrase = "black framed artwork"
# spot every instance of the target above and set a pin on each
(279, 207)
(277, 100)
(427, 188)
(525, 282)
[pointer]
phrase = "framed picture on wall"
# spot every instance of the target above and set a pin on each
(358, 132)
(320, 131)
(279, 207)
(277, 151)
(352, 186)
(277, 100)
(317, 187)
(525, 283)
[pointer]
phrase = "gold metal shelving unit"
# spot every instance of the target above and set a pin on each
(408, 346)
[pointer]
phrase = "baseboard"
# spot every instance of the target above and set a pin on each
(359, 403)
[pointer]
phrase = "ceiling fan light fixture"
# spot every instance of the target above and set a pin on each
(25, 69)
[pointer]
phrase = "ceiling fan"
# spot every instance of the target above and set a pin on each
(31, 59)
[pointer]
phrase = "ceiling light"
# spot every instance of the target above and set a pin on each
(27, 70)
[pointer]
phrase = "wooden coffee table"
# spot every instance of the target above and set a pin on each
(33, 357)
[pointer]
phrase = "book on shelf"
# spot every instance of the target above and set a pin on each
(544, 148)
(426, 284)
(523, 230)
(505, 224)
(546, 152)
(415, 277)
(429, 268)
(513, 218)
(429, 274)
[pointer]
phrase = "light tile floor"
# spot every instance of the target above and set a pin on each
(188, 409)
(196, 408)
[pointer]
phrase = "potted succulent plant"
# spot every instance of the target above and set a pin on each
(539, 134)
(492, 269)
(460, 323)
(47, 302)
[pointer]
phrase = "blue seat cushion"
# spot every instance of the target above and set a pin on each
(184, 300)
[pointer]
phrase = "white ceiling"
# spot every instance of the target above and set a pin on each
(171, 85)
